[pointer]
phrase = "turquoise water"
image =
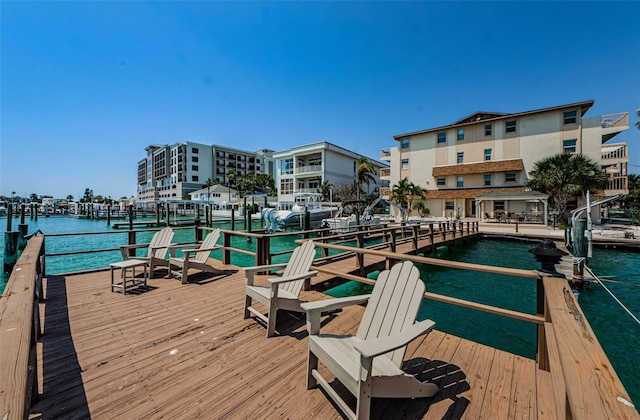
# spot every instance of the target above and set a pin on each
(615, 329)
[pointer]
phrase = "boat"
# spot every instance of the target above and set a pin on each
(373, 215)
(281, 219)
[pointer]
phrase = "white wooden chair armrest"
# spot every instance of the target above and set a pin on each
(249, 272)
(193, 251)
(264, 267)
(277, 280)
(315, 309)
(377, 346)
(124, 249)
(333, 304)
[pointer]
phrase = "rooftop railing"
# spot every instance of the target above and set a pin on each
(614, 120)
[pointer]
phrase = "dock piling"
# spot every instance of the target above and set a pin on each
(22, 229)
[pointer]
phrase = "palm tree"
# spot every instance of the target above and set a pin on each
(401, 192)
(415, 191)
(365, 172)
(325, 191)
(233, 175)
(564, 176)
(69, 197)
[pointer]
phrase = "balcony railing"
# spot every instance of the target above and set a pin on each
(614, 151)
(308, 169)
(385, 191)
(385, 172)
(614, 120)
(617, 183)
(385, 153)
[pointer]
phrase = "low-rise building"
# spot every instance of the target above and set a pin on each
(303, 169)
(470, 166)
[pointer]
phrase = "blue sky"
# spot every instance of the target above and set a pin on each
(86, 86)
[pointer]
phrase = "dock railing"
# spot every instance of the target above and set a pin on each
(585, 384)
(19, 333)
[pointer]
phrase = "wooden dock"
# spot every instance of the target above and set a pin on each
(184, 351)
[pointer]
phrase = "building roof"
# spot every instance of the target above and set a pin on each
(494, 116)
(479, 168)
(329, 146)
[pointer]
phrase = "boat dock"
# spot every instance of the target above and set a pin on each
(184, 350)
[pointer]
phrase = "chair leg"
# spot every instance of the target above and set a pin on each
(273, 315)
(247, 304)
(312, 364)
(363, 405)
(185, 272)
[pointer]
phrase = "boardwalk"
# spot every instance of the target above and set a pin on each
(184, 351)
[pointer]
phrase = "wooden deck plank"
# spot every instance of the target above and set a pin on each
(106, 355)
(497, 398)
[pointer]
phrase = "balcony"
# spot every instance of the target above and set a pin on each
(313, 169)
(385, 154)
(385, 172)
(614, 153)
(613, 124)
(385, 192)
(617, 185)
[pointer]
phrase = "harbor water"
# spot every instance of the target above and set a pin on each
(615, 329)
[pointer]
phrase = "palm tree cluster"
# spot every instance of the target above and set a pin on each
(565, 176)
(406, 192)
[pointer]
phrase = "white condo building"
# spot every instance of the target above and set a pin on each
(303, 169)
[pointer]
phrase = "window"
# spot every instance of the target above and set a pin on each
(404, 143)
(194, 178)
(286, 186)
(487, 130)
(460, 157)
(194, 158)
(449, 205)
(442, 137)
(461, 134)
(405, 164)
(441, 181)
(510, 177)
(498, 205)
(194, 167)
(460, 182)
(286, 166)
(487, 154)
(487, 180)
(510, 126)
(194, 150)
(569, 146)
(570, 117)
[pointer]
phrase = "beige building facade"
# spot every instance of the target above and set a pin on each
(488, 153)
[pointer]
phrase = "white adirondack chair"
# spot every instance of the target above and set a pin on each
(156, 250)
(284, 291)
(195, 258)
(368, 364)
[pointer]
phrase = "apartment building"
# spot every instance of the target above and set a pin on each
(303, 169)
(478, 166)
(172, 172)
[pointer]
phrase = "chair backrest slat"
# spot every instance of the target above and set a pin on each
(208, 243)
(160, 242)
(299, 263)
(393, 306)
